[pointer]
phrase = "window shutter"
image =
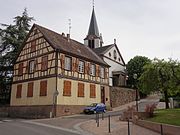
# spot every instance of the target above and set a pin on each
(19, 91)
(77, 64)
(92, 91)
(30, 89)
(20, 69)
(33, 46)
(44, 63)
(97, 70)
(43, 88)
(80, 89)
(88, 68)
(85, 67)
(67, 88)
(62, 57)
(73, 64)
(106, 73)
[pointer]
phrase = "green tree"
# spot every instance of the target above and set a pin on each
(135, 66)
(12, 37)
(161, 75)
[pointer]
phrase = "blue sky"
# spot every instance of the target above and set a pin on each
(141, 27)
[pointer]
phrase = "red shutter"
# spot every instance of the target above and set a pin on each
(20, 69)
(80, 89)
(67, 88)
(92, 91)
(62, 61)
(19, 91)
(30, 89)
(43, 88)
(97, 70)
(77, 64)
(33, 46)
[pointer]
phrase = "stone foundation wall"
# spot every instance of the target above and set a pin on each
(43, 111)
(120, 96)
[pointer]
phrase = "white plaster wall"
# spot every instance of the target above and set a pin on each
(114, 67)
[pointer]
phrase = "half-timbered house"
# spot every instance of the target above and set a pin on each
(54, 74)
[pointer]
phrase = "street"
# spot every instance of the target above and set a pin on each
(67, 125)
(18, 127)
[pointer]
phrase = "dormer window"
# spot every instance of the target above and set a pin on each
(115, 54)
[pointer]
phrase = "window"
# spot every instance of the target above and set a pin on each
(115, 54)
(68, 63)
(102, 72)
(92, 70)
(80, 89)
(43, 88)
(33, 46)
(20, 69)
(19, 91)
(67, 88)
(91, 44)
(109, 54)
(81, 67)
(30, 89)
(92, 91)
(31, 66)
(119, 59)
(44, 63)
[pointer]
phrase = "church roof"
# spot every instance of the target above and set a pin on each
(72, 47)
(103, 49)
(93, 27)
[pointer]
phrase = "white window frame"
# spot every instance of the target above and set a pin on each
(102, 72)
(68, 63)
(31, 66)
(93, 69)
(81, 66)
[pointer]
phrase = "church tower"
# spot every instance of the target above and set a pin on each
(93, 39)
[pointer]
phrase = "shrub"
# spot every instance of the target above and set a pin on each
(150, 109)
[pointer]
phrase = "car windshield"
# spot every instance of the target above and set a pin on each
(93, 105)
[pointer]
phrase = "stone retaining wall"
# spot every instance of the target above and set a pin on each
(120, 96)
(167, 129)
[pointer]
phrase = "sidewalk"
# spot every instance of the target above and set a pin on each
(117, 128)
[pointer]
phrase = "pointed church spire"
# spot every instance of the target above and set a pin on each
(93, 27)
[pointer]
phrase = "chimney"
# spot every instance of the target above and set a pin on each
(63, 34)
(68, 37)
(114, 41)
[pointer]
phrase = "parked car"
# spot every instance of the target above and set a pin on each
(95, 108)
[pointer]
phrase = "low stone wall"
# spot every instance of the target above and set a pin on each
(120, 96)
(167, 129)
(43, 111)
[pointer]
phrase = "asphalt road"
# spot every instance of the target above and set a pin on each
(18, 127)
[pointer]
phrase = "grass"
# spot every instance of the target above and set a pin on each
(167, 116)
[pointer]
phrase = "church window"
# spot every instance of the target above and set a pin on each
(91, 44)
(68, 63)
(115, 54)
(92, 70)
(81, 67)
